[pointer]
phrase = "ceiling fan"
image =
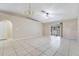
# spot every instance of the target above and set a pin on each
(47, 14)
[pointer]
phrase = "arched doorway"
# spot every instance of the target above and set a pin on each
(5, 29)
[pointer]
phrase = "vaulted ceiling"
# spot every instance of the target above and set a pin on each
(43, 12)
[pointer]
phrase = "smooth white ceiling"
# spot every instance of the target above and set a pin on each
(58, 11)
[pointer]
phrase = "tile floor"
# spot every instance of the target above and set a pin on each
(41, 46)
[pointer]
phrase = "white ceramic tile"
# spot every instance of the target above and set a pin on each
(40, 46)
(50, 52)
(42, 54)
(20, 51)
(74, 48)
(35, 52)
(9, 52)
(1, 51)
(59, 54)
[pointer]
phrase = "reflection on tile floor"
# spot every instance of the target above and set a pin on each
(41, 46)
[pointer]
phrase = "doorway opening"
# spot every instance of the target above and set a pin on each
(57, 30)
(5, 29)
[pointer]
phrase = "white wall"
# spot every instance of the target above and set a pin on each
(24, 28)
(78, 28)
(70, 29)
(46, 29)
